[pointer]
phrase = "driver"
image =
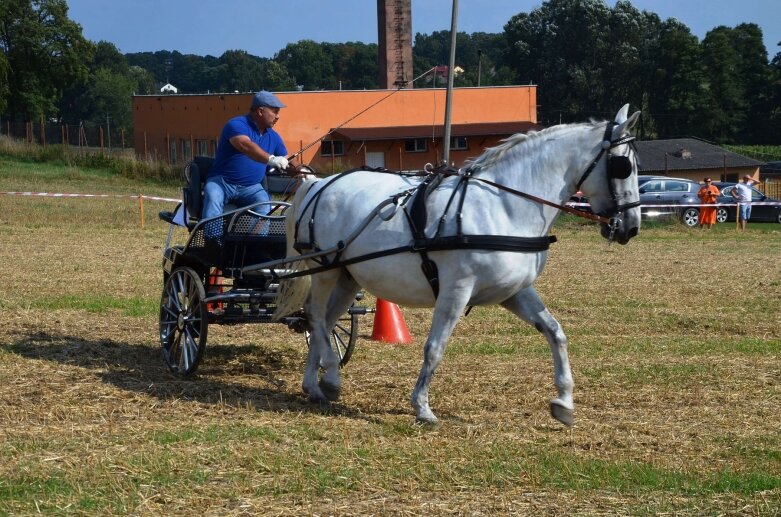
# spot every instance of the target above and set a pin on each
(248, 147)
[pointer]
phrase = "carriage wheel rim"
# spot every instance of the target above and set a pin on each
(183, 321)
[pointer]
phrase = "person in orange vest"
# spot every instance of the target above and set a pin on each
(708, 194)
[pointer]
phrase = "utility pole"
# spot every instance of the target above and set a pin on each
(479, 65)
(108, 133)
(449, 96)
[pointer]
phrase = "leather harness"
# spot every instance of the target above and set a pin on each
(414, 204)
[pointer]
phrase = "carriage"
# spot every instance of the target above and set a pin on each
(450, 239)
(205, 281)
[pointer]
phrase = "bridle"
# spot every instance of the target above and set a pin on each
(618, 167)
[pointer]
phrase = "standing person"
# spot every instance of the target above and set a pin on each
(248, 146)
(742, 194)
(708, 195)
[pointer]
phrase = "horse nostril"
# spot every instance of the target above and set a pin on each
(633, 232)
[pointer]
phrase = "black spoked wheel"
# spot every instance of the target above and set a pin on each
(343, 336)
(721, 215)
(184, 321)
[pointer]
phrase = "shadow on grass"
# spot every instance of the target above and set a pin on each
(259, 374)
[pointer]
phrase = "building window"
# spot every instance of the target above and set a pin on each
(187, 150)
(202, 147)
(415, 145)
(332, 148)
(459, 143)
(172, 151)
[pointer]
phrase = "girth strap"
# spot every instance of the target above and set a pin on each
(417, 218)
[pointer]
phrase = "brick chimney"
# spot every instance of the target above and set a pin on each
(394, 24)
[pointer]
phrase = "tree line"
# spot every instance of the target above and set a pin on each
(585, 57)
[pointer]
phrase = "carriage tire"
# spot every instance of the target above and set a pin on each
(722, 215)
(184, 321)
(343, 337)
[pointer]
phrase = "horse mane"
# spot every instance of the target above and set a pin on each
(494, 154)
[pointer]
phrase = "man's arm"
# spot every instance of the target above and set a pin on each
(244, 145)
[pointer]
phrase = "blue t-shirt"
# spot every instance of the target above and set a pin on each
(234, 165)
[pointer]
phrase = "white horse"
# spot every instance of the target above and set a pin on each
(361, 214)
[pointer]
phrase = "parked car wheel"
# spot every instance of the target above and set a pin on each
(721, 215)
(778, 218)
(690, 217)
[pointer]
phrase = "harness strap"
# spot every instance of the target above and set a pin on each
(416, 217)
(473, 242)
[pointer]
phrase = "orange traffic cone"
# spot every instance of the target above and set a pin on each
(389, 326)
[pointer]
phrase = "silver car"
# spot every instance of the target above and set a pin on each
(667, 193)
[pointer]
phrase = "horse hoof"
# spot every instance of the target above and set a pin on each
(330, 392)
(427, 418)
(564, 415)
(427, 423)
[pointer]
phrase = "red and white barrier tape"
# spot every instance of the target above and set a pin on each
(157, 198)
(681, 205)
(53, 194)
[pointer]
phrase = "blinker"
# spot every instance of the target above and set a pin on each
(619, 167)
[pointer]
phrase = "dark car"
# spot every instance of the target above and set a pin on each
(766, 213)
(667, 193)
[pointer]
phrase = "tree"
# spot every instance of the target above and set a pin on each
(754, 74)
(774, 114)
(676, 90)
(354, 64)
(562, 47)
(475, 53)
(107, 91)
(44, 53)
(726, 104)
(308, 64)
(5, 70)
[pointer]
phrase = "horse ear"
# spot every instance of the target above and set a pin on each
(621, 115)
(627, 124)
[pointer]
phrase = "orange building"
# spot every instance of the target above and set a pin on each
(338, 130)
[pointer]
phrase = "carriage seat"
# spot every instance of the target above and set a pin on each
(195, 174)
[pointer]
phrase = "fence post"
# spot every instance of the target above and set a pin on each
(141, 209)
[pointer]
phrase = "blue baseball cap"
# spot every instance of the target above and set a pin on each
(264, 98)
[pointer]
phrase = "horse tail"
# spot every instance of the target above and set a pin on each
(292, 292)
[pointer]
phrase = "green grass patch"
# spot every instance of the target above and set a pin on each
(214, 435)
(94, 303)
(654, 374)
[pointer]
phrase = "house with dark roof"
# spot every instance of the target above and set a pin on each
(693, 159)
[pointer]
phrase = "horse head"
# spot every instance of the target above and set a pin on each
(610, 182)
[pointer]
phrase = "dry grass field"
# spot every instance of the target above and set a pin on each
(675, 344)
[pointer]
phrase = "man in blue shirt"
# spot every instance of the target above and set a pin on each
(248, 146)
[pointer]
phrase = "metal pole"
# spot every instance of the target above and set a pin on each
(479, 65)
(449, 95)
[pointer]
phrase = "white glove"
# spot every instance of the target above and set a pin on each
(278, 162)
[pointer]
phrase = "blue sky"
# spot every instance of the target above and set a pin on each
(262, 27)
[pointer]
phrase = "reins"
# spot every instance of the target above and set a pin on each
(563, 208)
